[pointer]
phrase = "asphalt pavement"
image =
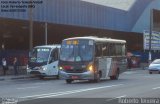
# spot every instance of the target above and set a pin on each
(134, 83)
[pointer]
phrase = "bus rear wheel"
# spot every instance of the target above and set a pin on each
(69, 81)
(115, 77)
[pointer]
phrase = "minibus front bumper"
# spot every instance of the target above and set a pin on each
(36, 72)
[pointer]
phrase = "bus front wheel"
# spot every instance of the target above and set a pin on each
(97, 79)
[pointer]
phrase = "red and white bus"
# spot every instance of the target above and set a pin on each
(92, 58)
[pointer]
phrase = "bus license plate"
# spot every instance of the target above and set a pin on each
(74, 77)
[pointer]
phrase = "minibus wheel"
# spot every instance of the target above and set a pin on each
(57, 76)
(69, 81)
(41, 77)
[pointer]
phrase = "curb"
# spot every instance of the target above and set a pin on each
(134, 69)
(20, 77)
(14, 78)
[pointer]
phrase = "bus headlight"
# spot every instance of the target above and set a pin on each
(60, 68)
(90, 67)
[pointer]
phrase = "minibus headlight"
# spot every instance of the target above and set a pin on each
(42, 68)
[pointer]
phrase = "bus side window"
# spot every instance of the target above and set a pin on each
(54, 55)
(98, 50)
(118, 48)
(123, 49)
(112, 49)
(105, 49)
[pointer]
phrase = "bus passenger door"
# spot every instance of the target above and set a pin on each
(53, 62)
(101, 53)
(104, 65)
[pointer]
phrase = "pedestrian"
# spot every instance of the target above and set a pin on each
(134, 62)
(4, 66)
(15, 65)
(129, 62)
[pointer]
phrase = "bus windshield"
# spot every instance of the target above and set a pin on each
(76, 50)
(39, 55)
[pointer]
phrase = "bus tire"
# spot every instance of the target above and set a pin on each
(69, 81)
(111, 78)
(115, 77)
(97, 78)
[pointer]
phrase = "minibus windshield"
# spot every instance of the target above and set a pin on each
(39, 55)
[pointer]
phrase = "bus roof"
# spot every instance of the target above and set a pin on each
(97, 39)
(49, 46)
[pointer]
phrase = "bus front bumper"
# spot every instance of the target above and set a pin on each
(77, 76)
